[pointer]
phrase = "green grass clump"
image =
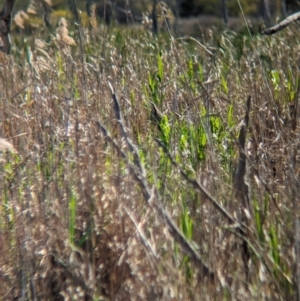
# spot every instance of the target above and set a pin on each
(118, 151)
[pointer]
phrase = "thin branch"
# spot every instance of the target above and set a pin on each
(141, 232)
(240, 187)
(286, 22)
(151, 195)
(196, 185)
(152, 199)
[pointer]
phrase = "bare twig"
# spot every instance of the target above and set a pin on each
(151, 195)
(152, 199)
(286, 22)
(195, 40)
(132, 148)
(196, 185)
(240, 187)
(141, 232)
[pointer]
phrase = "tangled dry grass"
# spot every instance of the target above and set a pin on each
(117, 168)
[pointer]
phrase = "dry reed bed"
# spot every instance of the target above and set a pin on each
(76, 219)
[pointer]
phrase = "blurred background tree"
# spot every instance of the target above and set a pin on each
(186, 8)
(134, 11)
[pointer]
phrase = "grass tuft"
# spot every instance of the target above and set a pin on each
(117, 164)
